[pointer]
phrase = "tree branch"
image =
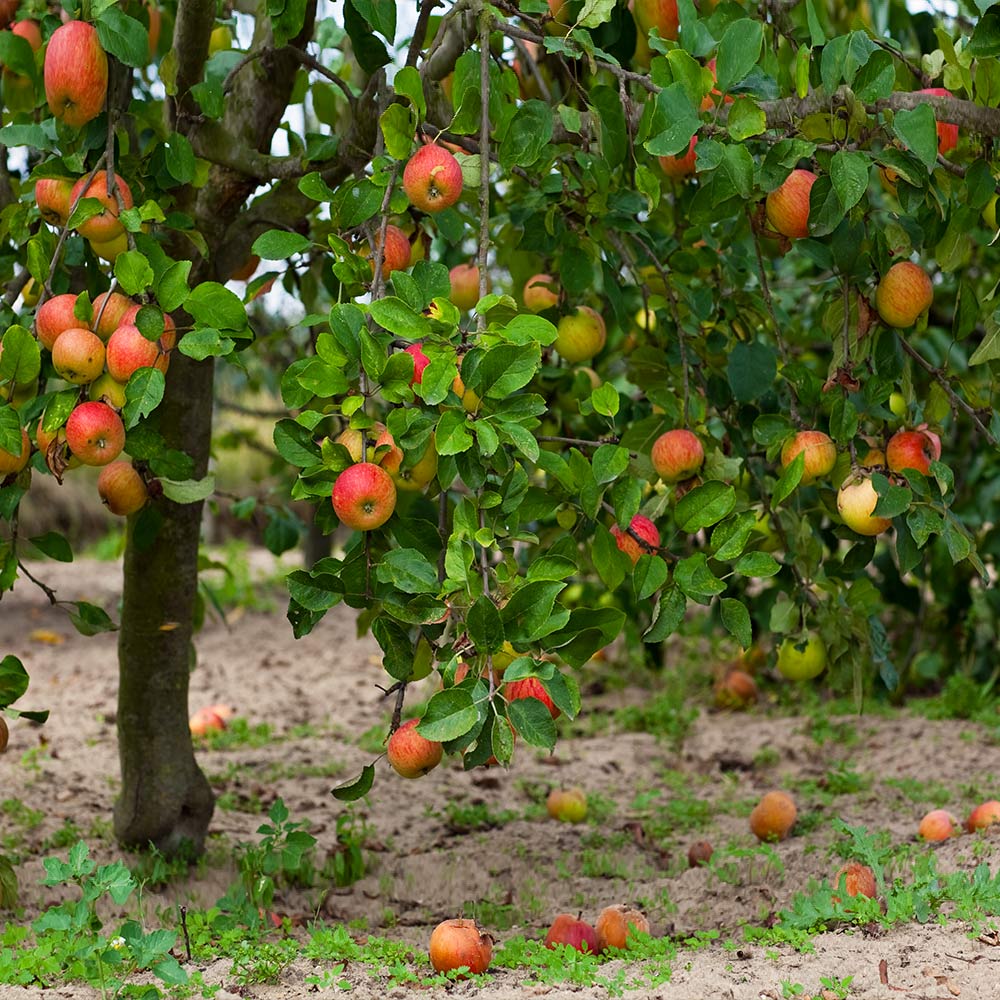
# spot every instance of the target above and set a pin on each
(192, 30)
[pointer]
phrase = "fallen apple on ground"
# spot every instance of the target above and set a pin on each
(457, 944)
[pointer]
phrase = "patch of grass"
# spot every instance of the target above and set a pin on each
(463, 818)
(921, 792)
(680, 813)
(663, 716)
(240, 733)
(244, 802)
(747, 865)
(66, 836)
(821, 729)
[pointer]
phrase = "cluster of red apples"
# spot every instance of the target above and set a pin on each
(98, 349)
(461, 945)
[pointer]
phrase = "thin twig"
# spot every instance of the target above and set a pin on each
(942, 381)
(420, 31)
(312, 63)
(484, 163)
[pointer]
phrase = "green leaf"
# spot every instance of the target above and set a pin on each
(41, 137)
(407, 83)
(917, 131)
(526, 616)
(736, 619)
(21, 360)
(757, 564)
(674, 106)
(989, 346)
(397, 126)
(739, 51)
(892, 500)
(449, 714)
(649, 575)
(409, 570)
(369, 51)
(214, 305)
(704, 506)
(188, 490)
(595, 13)
(205, 342)
(179, 158)
(172, 287)
(745, 119)
(295, 444)
(605, 399)
(849, 173)
(789, 479)
(351, 791)
(54, 546)
(314, 591)
(394, 315)
(985, 39)
(13, 680)
(532, 722)
(484, 625)
(143, 393)
(452, 435)
(609, 462)
(696, 580)
(751, 371)
(278, 244)
(133, 272)
(527, 135)
(88, 619)
(10, 431)
(669, 615)
(732, 534)
(380, 14)
(123, 37)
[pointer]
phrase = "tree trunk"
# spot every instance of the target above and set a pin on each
(165, 799)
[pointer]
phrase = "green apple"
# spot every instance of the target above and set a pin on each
(802, 664)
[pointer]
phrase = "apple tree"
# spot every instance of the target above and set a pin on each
(610, 315)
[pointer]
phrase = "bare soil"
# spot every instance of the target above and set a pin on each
(319, 695)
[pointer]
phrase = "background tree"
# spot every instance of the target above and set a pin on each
(698, 402)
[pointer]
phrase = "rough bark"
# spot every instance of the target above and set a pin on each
(165, 799)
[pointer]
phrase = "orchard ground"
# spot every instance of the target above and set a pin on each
(662, 769)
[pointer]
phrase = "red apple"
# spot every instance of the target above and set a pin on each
(937, 825)
(459, 944)
(420, 362)
(904, 292)
(52, 195)
(205, 721)
(659, 14)
(947, 133)
(987, 814)
(677, 455)
(432, 179)
(103, 227)
(107, 318)
(54, 317)
(9, 462)
(129, 350)
(913, 450)
(736, 690)
(122, 489)
(95, 433)
(364, 496)
(616, 923)
(531, 687)
(787, 207)
(855, 502)
(820, 454)
(78, 355)
(396, 253)
(76, 73)
(699, 854)
(539, 294)
(573, 933)
(859, 880)
(645, 529)
(581, 335)
(465, 286)
(680, 166)
(410, 754)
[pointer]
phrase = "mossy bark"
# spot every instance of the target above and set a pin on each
(165, 799)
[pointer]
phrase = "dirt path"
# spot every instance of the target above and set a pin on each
(459, 843)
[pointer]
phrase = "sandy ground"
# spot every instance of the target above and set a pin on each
(319, 696)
